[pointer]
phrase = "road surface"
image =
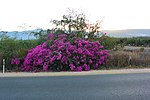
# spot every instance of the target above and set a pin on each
(88, 87)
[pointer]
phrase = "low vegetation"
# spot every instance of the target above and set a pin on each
(128, 59)
(74, 50)
(63, 52)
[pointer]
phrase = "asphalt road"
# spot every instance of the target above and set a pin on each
(89, 87)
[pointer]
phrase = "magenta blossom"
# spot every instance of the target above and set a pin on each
(64, 52)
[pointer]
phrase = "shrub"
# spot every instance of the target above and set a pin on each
(118, 59)
(140, 58)
(141, 49)
(10, 47)
(124, 59)
(109, 42)
(63, 52)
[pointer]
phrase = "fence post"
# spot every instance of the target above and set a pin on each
(3, 65)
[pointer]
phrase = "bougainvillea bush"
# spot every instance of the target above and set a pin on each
(63, 52)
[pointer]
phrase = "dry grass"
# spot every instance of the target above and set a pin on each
(140, 58)
(125, 59)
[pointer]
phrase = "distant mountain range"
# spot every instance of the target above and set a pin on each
(24, 35)
(128, 33)
(112, 33)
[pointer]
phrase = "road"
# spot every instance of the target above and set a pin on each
(88, 87)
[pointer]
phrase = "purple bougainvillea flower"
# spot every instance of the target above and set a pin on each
(62, 35)
(59, 56)
(79, 51)
(39, 61)
(67, 51)
(45, 67)
(50, 36)
(15, 61)
(102, 58)
(79, 68)
(72, 67)
(87, 68)
(101, 47)
(100, 62)
(90, 61)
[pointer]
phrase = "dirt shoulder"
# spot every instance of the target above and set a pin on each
(93, 72)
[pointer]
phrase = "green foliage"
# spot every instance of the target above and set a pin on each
(59, 31)
(113, 43)
(109, 43)
(135, 41)
(10, 47)
(141, 49)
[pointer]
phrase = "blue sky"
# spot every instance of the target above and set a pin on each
(18, 15)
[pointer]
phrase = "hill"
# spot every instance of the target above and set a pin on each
(128, 33)
(112, 33)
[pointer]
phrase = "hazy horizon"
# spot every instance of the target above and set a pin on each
(112, 33)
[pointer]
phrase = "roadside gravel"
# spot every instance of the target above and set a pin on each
(93, 72)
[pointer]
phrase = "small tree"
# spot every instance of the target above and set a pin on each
(40, 35)
(75, 22)
(72, 22)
